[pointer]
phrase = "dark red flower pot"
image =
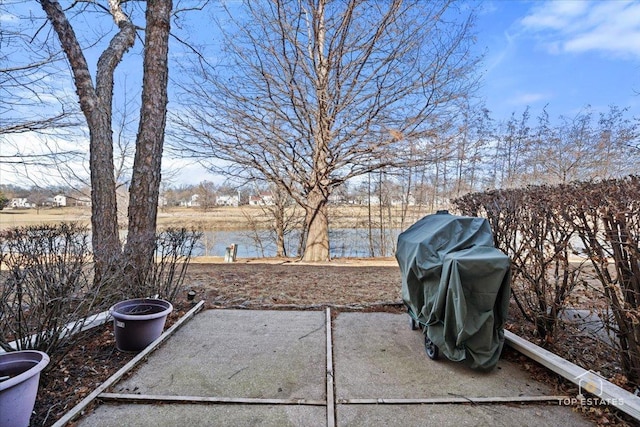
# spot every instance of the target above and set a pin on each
(19, 379)
(138, 322)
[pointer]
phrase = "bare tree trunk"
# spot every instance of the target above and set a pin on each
(436, 183)
(372, 251)
(317, 246)
(381, 213)
(280, 248)
(145, 182)
(104, 212)
(404, 203)
(96, 104)
(280, 220)
(302, 241)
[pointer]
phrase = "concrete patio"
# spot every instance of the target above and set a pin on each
(274, 368)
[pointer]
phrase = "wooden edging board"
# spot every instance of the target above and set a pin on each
(602, 390)
(72, 328)
(76, 410)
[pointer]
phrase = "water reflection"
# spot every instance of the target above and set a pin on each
(344, 242)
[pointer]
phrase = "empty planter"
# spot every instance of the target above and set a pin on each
(19, 379)
(138, 322)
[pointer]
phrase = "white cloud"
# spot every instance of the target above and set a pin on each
(555, 15)
(524, 99)
(178, 172)
(8, 17)
(57, 157)
(610, 27)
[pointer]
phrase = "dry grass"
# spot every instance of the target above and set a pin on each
(26, 217)
(219, 218)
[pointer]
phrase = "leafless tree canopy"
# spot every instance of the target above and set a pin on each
(308, 94)
(32, 98)
(34, 103)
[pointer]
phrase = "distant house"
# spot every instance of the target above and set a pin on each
(193, 202)
(336, 198)
(20, 202)
(373, 200)
(263, 199)
(162, 201)
(60, 200)
(227, 201)
(408, 201)
(79, 201)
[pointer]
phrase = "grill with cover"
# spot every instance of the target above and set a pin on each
(456, 285)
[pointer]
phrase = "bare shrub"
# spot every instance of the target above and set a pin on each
(529, 226)
(606, 217)
(46, 290)
(174, 248)
(593, 223)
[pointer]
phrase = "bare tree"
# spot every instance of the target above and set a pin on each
(34, 105)
(618, 141)
(285, 218)
(32, 97)
(311, 93)
(207, 192)
(474, 134)
(569, 153)
(280, 218)
(96, 104)
(4, 200)
(579, 147)
(512, 145)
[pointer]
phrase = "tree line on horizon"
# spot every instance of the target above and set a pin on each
(332, 97)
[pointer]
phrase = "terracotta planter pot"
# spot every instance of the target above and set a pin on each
(138, 322)
(19, 379)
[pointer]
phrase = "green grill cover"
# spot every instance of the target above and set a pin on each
(456, 284)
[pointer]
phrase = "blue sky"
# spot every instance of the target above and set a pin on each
(564, 53)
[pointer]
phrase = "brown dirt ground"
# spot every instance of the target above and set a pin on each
(353, 284)
(251, 283)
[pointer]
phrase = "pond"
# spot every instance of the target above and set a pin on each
(344, 243)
